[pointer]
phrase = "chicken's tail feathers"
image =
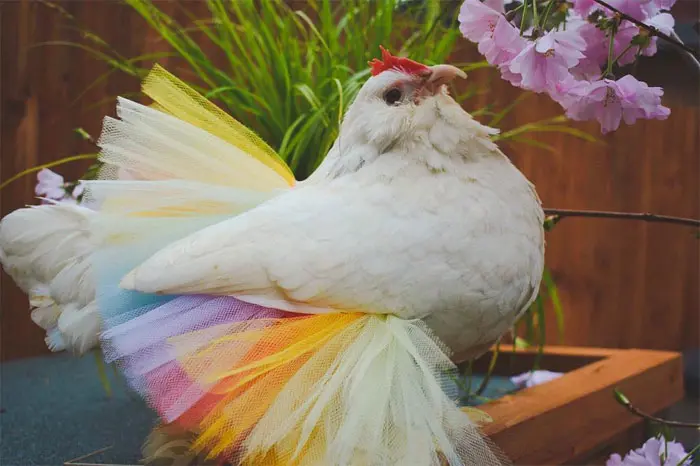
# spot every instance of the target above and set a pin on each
(170, 169)
(178, 160)
(262, 386)
(46, 251)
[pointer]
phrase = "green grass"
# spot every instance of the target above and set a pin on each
(289, 73)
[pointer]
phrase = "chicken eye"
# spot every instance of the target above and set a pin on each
(392, 96)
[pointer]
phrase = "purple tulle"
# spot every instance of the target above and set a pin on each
(141, 349)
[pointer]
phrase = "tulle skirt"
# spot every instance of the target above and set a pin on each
(257, 386)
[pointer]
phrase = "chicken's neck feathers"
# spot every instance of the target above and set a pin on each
(442, 139)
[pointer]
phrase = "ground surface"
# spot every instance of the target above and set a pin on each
(54, 409)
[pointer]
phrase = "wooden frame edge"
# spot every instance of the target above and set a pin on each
(567, 418)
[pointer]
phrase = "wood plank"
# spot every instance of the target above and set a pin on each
(569, 417)
(553, 358)
(630, 439)
(20, 112)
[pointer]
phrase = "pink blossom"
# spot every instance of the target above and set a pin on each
(651, 453)
(643, 100)
(513, 78)
(534, 378)
(597, 43)
(477, 20)
(586, 70)
(78, 190)
(623, 38)
(664, 22)
(495, 5)
(547, 60)
(567, 91)
(664, 4)
(609, 102)
(585, 7)
(503, 45)
(638, 9)
(50, 184)
(484, 23)
(655, 7)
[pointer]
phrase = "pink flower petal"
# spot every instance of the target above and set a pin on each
(497, 5)
(634, 8)
(477, 20)
(664, 22)
(585, 7)
(50, 184)
(504, 43)
(546, 61)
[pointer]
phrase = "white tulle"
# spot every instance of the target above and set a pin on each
(152, 145)
(380, 402)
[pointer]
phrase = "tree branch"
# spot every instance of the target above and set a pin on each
(651, 29)
(562, 213)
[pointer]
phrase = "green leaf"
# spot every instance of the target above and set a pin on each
(520, 343)
(85, 136)
(55, 163)
(502, 114)
(621, 398)
(489, 371)
(535, 143)
(102, 372)
(547, 125)
(541, 321)
(556, 302)
(550, 222)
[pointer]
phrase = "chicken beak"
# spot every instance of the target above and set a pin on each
(442, 74)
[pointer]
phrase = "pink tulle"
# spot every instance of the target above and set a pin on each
(141, 349)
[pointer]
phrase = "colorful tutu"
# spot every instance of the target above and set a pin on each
(262, 386)
(255, 385)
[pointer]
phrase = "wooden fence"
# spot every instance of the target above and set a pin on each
(622, 283)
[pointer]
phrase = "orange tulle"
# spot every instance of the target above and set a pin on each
(246, 370)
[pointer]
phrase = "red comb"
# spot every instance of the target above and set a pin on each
(389, 62)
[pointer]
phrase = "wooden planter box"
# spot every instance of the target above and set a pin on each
(575, 419)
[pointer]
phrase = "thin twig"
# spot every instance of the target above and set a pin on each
(76, 461)
(687, 54)
(651, 29)
(627, 404)
(562, 213)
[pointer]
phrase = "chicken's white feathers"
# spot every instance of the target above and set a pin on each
(436, 223)
(46, 249)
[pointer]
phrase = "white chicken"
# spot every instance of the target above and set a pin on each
(414, 212)
(321, 306)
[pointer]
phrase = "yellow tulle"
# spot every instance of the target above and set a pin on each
(173, 96)
(260, 357)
